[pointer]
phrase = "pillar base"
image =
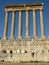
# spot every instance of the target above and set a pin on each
(4, 38)
(20, 38)
(28, 38)
(48, 37)
(12, 38)
(43, 37)
(35, 38)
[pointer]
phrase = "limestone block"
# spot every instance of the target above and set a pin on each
(14, 51)
(8, 51)
(40, 57)
(22, 51)
(18, 51)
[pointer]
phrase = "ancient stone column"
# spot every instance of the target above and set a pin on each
(27, 25)
(34, 24)
(42, 24)
(20, 26)
(6, 26)
(13, 26)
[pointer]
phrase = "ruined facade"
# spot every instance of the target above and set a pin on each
(24, 49)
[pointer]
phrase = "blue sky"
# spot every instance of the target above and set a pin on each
(2, 17)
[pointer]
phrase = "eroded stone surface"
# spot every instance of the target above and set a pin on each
(34, 50)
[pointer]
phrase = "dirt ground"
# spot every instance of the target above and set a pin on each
(30, 63)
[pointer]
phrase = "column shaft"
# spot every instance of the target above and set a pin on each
(13, 25)
(34, 24)
(6, 26)
(20, 26)
(42, 24)
(27, 25)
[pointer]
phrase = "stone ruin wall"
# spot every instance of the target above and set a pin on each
(24, 49)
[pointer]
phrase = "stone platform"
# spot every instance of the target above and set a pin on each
(24, 50)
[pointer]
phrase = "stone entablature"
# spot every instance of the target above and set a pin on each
(22, 7)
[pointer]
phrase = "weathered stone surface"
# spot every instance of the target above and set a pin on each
(37, 50)
(20, 49)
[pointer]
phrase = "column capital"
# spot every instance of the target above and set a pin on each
(27, 10)
(41, 9)
(20, 10)
(34, 9)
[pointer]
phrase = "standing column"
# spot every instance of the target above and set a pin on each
(13, 26)
(34, 24)
(27, 25)
(20, 26)
(42, 24)
(6, 26)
